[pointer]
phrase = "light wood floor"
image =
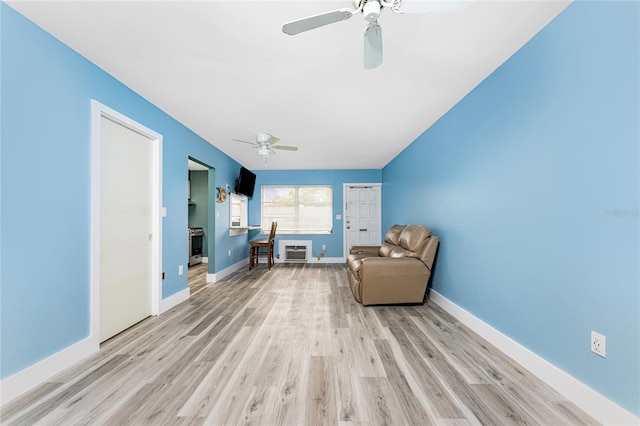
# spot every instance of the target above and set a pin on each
(197, 277)
(291, 347)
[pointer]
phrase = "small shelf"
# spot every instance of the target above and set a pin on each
(240, 230)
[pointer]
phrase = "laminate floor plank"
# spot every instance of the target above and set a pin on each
(291, 346)
(206, 395)
(443, 406)
(25, 402)
(415, 412)
(321, 398)
(48, 403)
(352, 407)
(382, 404)
(174, 396)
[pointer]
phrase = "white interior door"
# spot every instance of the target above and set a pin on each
(126, 227)
(362, 216)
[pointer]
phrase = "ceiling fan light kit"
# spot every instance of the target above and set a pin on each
(266, 146)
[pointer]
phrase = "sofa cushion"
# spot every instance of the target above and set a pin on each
(414, 237)
(390, 240)
(385, 249)
(393, 234)
(400, 252)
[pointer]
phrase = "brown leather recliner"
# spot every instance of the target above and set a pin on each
(398, 271)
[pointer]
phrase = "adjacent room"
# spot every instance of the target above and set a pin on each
(270, 212)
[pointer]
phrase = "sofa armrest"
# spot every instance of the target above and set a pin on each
(368, 250)
(387, 280)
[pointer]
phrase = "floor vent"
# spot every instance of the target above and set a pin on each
(295, 251)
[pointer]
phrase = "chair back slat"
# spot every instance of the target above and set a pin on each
(272, 234)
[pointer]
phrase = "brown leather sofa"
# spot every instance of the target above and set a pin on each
(398, 271)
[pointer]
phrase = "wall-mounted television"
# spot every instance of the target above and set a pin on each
(245, 182)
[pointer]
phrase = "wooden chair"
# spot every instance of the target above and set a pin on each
(256, 248)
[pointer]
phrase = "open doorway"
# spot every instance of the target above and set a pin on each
(201, 225)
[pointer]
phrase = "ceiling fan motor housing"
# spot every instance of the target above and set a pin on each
(262, 137)
(371, 10)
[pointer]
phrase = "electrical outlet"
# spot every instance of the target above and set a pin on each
(180, 269)
(598, 344)
(324, 247)
(229, 252)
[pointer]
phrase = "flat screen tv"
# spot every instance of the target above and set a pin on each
(245, 182)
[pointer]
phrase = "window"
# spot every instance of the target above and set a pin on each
(298, 209)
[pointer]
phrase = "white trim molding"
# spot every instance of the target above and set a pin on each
(38, 373)
(314, 259)
(212, 278)
(602, 409)
(174, 299)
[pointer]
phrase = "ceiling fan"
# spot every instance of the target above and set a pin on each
(265, 143)
(371, 10)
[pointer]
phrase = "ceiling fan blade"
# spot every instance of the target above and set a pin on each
(272, 140)
(285, 147)
(240, 140)
(315, 21)
(428, 6)
(372, 46)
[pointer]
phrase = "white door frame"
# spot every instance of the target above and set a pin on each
(345, 187)
(99, 111)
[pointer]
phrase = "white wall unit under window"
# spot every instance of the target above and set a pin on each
(297, 209)
(296, 251)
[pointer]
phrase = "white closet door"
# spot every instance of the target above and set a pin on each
(126, 227)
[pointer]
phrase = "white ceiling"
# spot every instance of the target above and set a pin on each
(193, 165)
(225, 69)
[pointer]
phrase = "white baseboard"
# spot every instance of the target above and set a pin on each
(314, 259)
(174, 299)
(212, 278)
(602, 409)
(38, 373)
(205, 260)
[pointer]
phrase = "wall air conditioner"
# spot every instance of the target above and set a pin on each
(295, 251)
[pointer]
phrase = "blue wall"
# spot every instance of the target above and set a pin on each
(532, 182)
(335, 178)
(45, 141)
